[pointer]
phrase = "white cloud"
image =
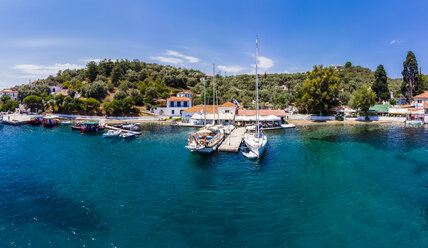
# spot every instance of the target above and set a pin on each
(231, 69)
(393, 42)
(264, 63)
(169, 60)
(189, 59)
(87, 60)
(173, 57)
(31, 70)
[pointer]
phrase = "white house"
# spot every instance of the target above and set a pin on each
(185, 94)
(283, 87)
(12, 93)
(224, 114)
(174, 106)
(55, 89)
(420, 99)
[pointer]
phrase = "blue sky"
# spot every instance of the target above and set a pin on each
(39, 37)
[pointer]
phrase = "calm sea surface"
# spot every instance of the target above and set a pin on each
(319, 186)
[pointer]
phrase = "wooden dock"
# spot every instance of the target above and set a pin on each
(233, 141)
(123, 130)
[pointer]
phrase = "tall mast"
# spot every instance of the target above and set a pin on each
(214, 93)
(205, 105)
(257, 88)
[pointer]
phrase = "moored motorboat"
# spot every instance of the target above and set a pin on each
(127, 135)
(50, 121)
(91, 127)
(132, 127)
(77, 126)
(112, 133)
(36, 120)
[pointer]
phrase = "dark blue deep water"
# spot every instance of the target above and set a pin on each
(318, 186)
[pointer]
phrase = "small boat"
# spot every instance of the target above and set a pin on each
(112, 133)
(127, 135)
(36, 120)
(132, 127)
(77, 126)
(414, 123)
(89, 127)
(50, 121)
(66, 123)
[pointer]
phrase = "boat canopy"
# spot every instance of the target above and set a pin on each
(91, 123)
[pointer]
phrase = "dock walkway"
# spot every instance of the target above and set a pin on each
(233, 141)
(123, 130)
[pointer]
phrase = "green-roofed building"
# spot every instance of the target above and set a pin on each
(380, 108)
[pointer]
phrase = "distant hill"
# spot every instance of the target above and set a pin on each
(145, 82)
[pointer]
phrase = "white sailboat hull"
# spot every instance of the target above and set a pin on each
(255, 144)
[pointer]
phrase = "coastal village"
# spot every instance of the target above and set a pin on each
(224, 122)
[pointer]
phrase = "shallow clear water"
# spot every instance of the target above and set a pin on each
(319, 186)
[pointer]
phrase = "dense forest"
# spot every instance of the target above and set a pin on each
(123, 87)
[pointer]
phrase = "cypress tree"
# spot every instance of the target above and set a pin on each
(380, 85)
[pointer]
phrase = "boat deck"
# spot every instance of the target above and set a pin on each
(233, 141)
(123, 130)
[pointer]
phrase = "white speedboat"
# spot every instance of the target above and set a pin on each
(112, 133)
(127, 135)
(132, 127)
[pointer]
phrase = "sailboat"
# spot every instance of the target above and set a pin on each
(254, 138)
(208, 138)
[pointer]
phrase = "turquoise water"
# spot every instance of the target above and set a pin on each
(319, 186)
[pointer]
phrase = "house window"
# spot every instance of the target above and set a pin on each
(419, 101)
(171, 104)
(172, 111)
(178, 104)
(226, 111)
(185, 104)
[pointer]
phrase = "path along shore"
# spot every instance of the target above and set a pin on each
(335, 122)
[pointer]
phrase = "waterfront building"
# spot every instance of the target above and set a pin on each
(12, 93)
(283, 87)
(55, 89)
(174, 106)
(223, 114)
(420, 100)
(248, 116)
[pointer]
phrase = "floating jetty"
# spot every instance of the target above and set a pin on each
(121, 129)
(233, 141)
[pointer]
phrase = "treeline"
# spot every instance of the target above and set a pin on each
(324, 89)
(122, 86)
(7, 104)
(121, 83)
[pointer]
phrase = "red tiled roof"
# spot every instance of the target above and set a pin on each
(228, 105)
(423, 95)
(160, 100)
(13, 91)
(178, 99)
(262, 112)
(200, 109)
(414, 109)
